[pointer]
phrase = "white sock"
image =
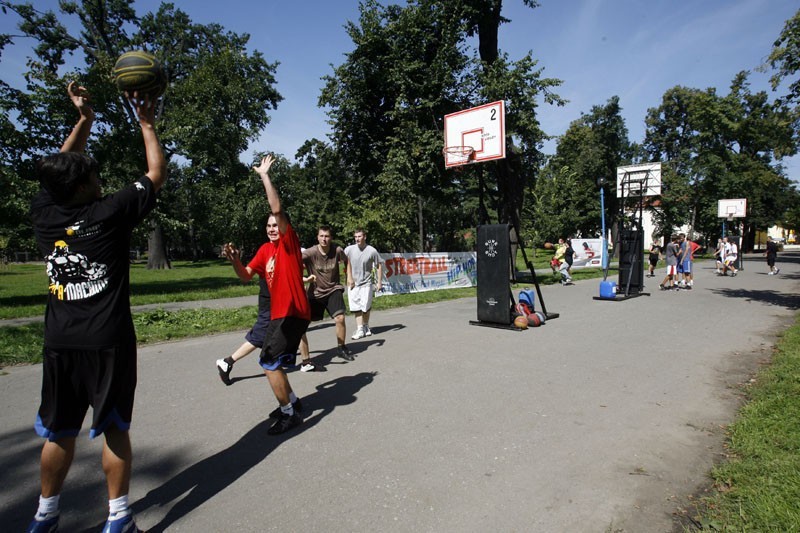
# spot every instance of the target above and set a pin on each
(48, 507)
(287, 409)
(292, 397)
(118, 508)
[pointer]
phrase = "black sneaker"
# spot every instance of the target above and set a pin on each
(285, 423)
(297, 406)
(345, 353)
(224, 371)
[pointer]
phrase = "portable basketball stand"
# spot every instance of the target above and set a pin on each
(634, 181)
(473, 136)
(492, 281)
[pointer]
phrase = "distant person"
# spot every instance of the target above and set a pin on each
(325, 291)
(685, 260)
(719, 255)
(772, 255)
(671, 258)
(560, 263)
(731, 255)
(364, 277)
(655, 255)
(89, 355)
(569, 259)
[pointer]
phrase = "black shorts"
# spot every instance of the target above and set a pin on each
(283, 338)
(259, 330)
(72, 380)
(771, 260)
(654, 261)
(333, 303)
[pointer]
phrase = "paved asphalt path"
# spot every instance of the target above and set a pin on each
(604, 419)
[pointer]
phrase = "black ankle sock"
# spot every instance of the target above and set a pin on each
(229, 360)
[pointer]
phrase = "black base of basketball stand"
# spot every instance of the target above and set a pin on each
(621, 297)
(493, 325)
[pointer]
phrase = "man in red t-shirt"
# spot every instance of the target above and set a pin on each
(289, 310)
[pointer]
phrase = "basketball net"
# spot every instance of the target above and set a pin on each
(458, 155)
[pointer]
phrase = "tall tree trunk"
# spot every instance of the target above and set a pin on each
(509, 182)
(156, 250)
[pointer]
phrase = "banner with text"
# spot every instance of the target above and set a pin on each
(412, 272)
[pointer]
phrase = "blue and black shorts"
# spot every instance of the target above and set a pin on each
(73, 380)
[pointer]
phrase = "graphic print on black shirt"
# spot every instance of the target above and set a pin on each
(73, 276)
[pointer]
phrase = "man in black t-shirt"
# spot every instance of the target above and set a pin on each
(89, 355)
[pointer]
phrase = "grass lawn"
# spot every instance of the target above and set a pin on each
(758, 487)
(23, 288)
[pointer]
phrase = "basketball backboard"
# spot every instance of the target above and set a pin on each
(639, 180)
(732, 208)
(481, 128)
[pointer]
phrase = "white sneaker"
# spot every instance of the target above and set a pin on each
(359, 334)
(777, 271)
(770, 273)
(367, 331)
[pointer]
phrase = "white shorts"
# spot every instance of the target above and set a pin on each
(360, 298)
(672, 270)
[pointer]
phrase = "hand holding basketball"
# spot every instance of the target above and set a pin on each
(80, 97)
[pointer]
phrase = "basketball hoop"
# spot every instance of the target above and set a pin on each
(458, 155)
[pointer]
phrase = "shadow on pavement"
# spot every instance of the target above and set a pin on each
(203, 480)
(780, 299)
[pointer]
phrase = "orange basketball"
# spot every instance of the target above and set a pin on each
(521, 322)
(549, 245)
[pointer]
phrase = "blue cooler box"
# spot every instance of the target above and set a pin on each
(608, 289)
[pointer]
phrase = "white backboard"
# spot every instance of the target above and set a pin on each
(482, 128)
(639, 180)
(732, 208)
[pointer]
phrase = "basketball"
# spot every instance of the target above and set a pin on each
(521, 322)
(533, 320)
(139, 71)
(542, 317)
(548, 245)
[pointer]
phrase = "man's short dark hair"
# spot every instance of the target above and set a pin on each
(325, 227)
(63, 173)
(360, 230)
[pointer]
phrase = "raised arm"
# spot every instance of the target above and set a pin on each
(76, 142)
(145, 108)
(272, 193)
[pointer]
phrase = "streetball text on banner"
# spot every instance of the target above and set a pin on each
(404, 273)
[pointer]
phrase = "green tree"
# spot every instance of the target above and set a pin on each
(720, 147)
(411, 66)
(592, 148)
(217, 102)
(785, 59)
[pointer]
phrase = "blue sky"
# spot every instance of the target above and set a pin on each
(635, 49)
